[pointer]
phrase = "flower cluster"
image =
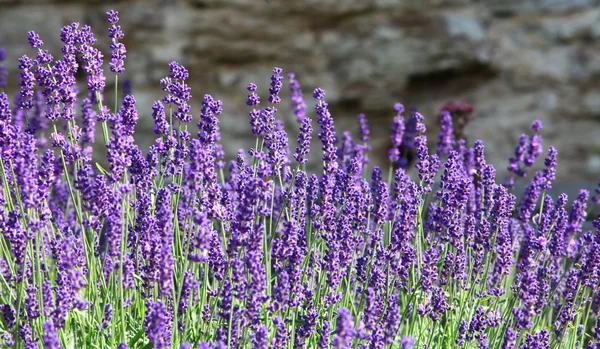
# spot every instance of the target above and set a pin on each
(178, 246)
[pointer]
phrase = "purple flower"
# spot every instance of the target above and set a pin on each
(363, 128)
(158, 324)
(281, 336)
(446, 137)
(304, 332)
(209, 123)
(439, 304)
(477, 324)
(407, 343)
(540, 340)
(277, 144)
(89, 122)
(344, 330)
(165, 247)
(259, 340)
(528, 150)
(396, 134)
(258, 241)
(117, 49)
(253, 100)
(530, 197)
(50, 338)
(510, 338)
(381, 195)
(427, 165)
(324, 335)
(430, 270)
(27, 83)
(550, 170)
(108, 313)
(298, 104)
(304, 137)
(514, 162)
(161, 125)
(596, 196)
(591, 269)
(91, 56)
(319, 94)
(578, 212)
(34, 40)
(31, 301)
(276, 84)
(187, 290)
(178, 92)
(9, 315)
(326, 133)
(3, 70)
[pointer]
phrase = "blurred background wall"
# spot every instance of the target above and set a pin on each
(513, 60)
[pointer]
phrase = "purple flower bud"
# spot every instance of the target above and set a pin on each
(50, 338)
(530, 197)
(324, 334)
(298, 104)
(427, 165)
(326, 133)
(381, 191)
(113, 16)
(276, 84)
(3, 70)
(117, 49)
(407, 342)
(578, 212)
(446, 137)
(161, 125)
(259, 340)
(396, 134)
(510, 338)
(34, 40)
(304, 137)
(158, 324)
(363, 127)
(318, 94)
(178, 92)
(27, 83)
(344, 331)
(550, 170)
(209, 123)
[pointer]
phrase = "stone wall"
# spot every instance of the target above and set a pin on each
(514, 60)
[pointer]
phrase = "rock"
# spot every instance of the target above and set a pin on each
(514, 60)
(591, 101)
(512, 7)
(465, 27)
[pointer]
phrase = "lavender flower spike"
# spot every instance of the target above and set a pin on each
(298, 104)
(344, 331)
(50, 338)
(397, 133)
(326, 133)
(304, 137)
(276, 84)
(117, 49)
(446, 138)
(3, 71)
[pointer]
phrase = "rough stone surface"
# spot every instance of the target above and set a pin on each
(515, 60)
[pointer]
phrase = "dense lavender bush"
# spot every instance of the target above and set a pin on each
(174, 247)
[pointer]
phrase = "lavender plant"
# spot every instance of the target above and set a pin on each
(175, 247)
